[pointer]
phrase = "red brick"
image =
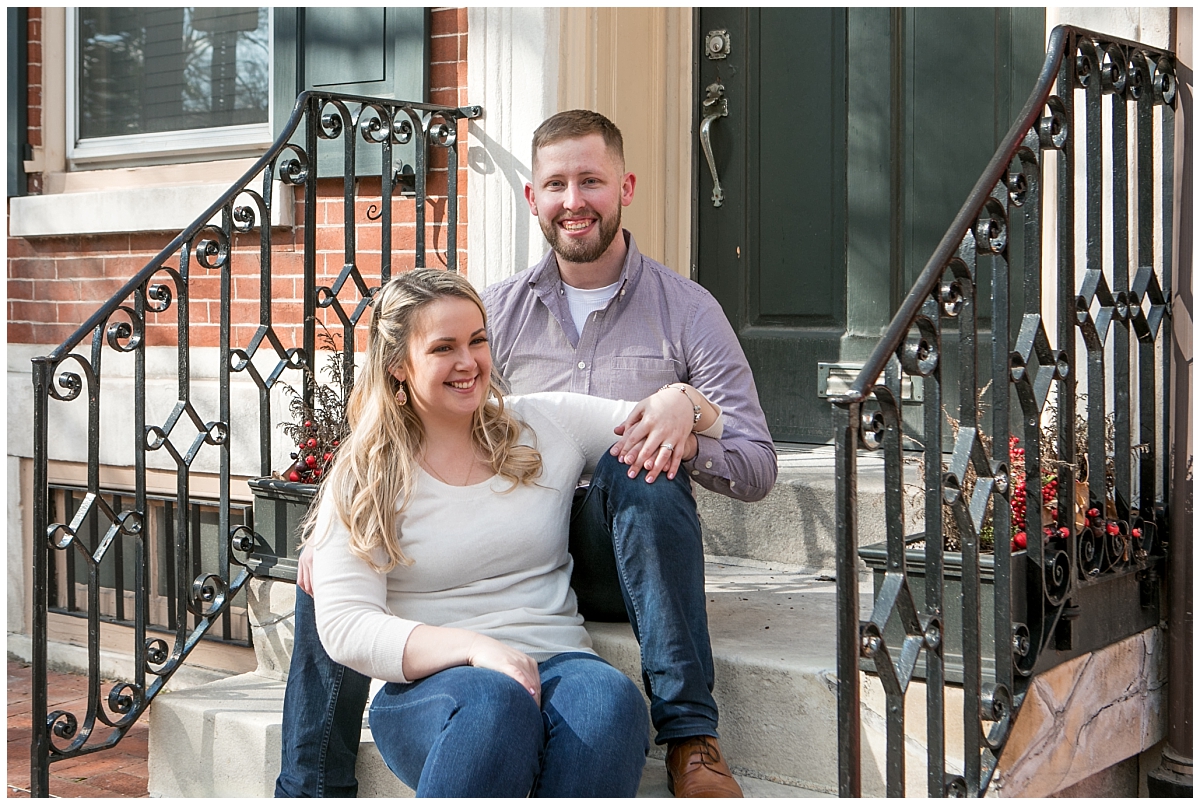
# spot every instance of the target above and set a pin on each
(21, 289)
(32, 268)
(76, 313)
(444, 48)
(204, 287)
(32, 311)
(149, 243)
(80, 267)
(443, 75)
(120, 783)
(445, 97)
(51, 333)
(20, 332)
(98, 290)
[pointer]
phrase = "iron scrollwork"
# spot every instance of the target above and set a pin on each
(1081, 530)
(198, 427)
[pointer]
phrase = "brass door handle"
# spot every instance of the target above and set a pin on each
(713, 106)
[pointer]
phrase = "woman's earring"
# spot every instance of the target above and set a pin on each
(401, 395)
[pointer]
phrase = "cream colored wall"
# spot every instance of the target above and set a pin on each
(634, 66)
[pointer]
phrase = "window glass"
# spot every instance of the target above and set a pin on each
(146, 70)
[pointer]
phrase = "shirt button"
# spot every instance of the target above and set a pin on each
(708, 465)
(582, 365)
(695, 472)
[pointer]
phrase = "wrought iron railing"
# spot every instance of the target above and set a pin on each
(197, 424)
(1082, 561)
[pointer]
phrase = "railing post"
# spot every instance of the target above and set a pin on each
(39, 772)
(846, 419)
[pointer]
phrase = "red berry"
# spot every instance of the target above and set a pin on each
(311, 442)
(1064, 532)
(307, 423)
(1137, 533)
(1093, 512)
(328, 457)
(317, 472)
(1112, 529)
(294, 476)
(1020, 540)
(310, 460)
(335, 442)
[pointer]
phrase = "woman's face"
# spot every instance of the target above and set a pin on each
(449, 362)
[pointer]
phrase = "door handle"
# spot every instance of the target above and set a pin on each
(714, 105)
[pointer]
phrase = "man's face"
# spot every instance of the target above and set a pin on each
(578, 189)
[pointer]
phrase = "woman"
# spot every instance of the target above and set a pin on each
(440, 560)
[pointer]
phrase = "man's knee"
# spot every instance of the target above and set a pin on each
(613, 477)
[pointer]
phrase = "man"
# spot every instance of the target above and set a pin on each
(597, 317)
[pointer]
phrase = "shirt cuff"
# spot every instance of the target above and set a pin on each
(714, 430)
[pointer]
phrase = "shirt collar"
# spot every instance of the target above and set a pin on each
(545, 278)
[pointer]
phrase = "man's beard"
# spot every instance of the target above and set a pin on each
(582, 252)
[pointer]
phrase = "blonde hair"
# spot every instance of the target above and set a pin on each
(373, 476)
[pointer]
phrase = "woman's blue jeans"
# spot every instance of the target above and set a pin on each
(473, 732)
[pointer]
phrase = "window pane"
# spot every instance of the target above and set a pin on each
(146, 70)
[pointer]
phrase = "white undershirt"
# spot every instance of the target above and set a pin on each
(583, 302)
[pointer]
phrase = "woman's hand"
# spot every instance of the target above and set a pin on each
(658, 434)
(304, 570)
(486, 652)
(435, 648)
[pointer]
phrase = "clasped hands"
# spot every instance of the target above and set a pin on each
(658, 434)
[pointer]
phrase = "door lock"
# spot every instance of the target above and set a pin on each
(716, 44)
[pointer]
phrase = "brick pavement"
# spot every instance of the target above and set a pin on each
(116, 772)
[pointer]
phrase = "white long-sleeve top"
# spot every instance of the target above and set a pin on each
(487, 557)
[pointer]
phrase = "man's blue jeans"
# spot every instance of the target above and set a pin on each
(639, 556)
(322, 716)
(473, 732)
(657, 584)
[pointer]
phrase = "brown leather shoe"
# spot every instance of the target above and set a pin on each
(695, 768)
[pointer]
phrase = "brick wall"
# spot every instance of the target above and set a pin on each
(55, 284)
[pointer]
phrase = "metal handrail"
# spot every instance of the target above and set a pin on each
(1116, 547)
(328, 116)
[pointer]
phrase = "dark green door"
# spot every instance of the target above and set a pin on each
(851, 138)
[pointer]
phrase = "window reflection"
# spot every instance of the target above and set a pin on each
(145, 70)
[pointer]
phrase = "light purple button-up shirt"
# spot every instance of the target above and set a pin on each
(658, 328)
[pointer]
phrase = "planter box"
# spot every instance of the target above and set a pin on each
(1102, 611)
(875, 557)
(278, 508)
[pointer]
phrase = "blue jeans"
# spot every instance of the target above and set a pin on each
(473, 732)
(639, 556)
(322, 716)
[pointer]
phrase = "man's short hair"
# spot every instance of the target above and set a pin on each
(578, 123)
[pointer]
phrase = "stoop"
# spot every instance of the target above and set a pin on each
(772, 634)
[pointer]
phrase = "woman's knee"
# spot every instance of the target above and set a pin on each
(601, 701)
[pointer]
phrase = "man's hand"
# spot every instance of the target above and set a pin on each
(304, 571)
(657, 435)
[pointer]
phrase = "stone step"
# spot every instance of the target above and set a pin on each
(794, 523)
(773, 643)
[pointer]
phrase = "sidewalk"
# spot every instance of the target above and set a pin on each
(116, 772)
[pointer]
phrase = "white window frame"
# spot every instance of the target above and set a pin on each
(163, 146)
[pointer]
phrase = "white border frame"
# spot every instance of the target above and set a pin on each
(228, 141)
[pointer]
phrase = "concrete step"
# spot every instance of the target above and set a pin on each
(794, 523)
(773, 643)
